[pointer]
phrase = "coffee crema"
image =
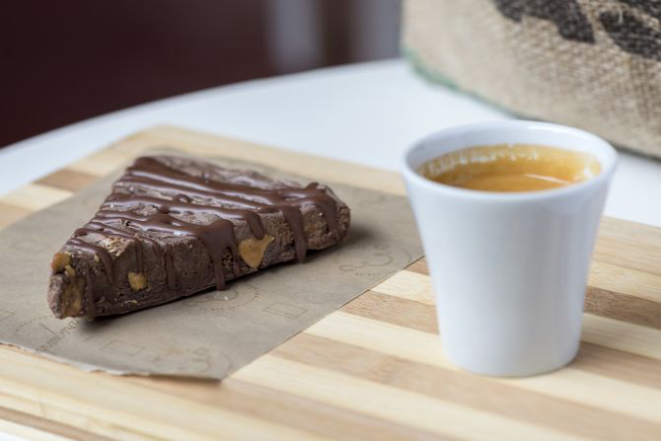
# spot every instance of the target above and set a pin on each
(511, 168)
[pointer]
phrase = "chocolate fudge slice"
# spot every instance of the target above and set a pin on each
(173, 226)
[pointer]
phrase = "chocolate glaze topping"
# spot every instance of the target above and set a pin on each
(181, 193)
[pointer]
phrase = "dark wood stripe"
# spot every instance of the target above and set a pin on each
(618, 365)
(394, 310)
(466, 389)
(67, 179)
(419, 266)
(624, 307)
(612, 363)
(288, 410)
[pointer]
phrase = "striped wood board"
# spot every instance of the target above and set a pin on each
(372, 370)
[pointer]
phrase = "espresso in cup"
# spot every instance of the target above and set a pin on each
(511, 168)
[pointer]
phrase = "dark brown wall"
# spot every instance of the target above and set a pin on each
(62, 61)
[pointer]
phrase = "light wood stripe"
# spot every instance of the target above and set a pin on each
(43, 413)
(624, 336)
(66, 179)
(569, 384)
(10, 214)
(629, 245)
(25, 426)
(28, 433)
(637, 256)
(629, 231)
(96, 400)
(34, 197)
(284, 408)
(101, 163)
(408, 285)
(390, 403)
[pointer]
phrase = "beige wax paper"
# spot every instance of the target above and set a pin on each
(210, 334)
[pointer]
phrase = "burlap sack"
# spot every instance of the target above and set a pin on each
(594, 64)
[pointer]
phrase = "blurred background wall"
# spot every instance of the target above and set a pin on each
(64, 61)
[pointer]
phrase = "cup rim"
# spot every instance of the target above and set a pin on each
(523, 125)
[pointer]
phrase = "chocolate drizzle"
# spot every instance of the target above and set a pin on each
(129, 212)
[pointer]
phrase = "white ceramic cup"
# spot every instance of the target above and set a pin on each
(509, 270)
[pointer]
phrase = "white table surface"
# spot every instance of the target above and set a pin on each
(367, 113)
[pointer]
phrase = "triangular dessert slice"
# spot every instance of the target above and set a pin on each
(174, 226)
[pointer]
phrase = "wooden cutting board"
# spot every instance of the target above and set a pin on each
(373, 370)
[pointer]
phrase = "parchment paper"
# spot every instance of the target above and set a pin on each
(207, 335)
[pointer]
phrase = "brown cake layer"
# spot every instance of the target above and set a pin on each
(174, 226)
